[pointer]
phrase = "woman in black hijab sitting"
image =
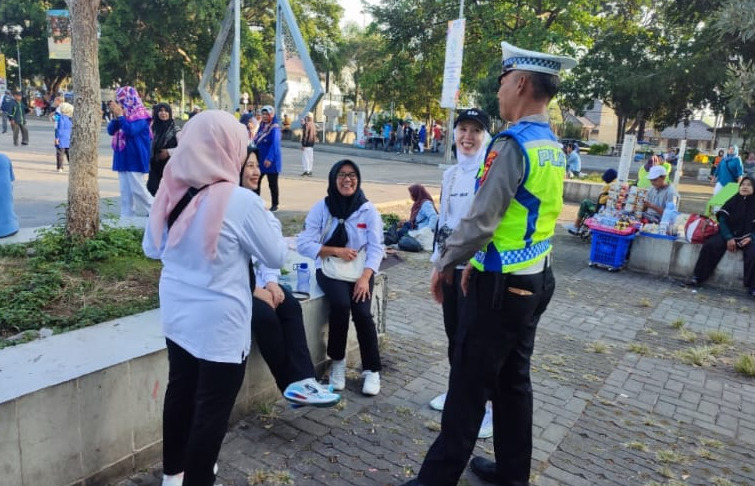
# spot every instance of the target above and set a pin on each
(343, 233)
(736, 221)
(165, 139)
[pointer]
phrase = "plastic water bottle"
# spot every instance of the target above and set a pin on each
(302, 277)
(669, 216)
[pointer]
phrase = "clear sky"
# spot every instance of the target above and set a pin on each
(353, 11)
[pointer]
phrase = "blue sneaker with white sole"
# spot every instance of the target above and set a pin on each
(309, 392)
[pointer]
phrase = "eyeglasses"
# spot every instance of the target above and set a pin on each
(350, 175)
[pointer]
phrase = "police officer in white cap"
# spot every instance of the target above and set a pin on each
(506, 236)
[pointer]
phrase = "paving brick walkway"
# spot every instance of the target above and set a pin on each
(615, 402)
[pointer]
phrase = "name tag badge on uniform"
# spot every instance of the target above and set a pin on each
(362, 225)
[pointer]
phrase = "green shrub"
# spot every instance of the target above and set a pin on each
(599, 149)
(389, 219)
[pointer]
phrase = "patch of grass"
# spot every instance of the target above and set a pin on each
(645, 302)
(745, 364)
(262, 476)
(686, 335)
(340, 405)
(404, 411)
(651, 331)
(716, 444)
(637, 446)
(366, 418)
(598, 347)
(721, 481)
(699, 356)
(705, 453)
(639, 348)
(678, 324)
(720, 337)
(62, 282)
(667, 456)
(744, 310)
(666, 472)
(433, 425)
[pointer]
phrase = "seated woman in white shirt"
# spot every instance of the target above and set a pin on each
(343, 225)
(278, 324)
(205, 229)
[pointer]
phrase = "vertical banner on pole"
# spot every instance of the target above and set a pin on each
(454, 58)
(679, 164)
(59, 34)
(627, 155)
(3, 78)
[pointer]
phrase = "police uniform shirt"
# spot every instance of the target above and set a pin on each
(490, 204)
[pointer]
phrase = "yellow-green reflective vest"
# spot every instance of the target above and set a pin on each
(523, 235)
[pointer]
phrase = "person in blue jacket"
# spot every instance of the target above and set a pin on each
(268, 142)
(63, 128)
(8, 219)
(131, 142)
(730, 169)
(422, 138)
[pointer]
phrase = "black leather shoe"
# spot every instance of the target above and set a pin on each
(693, 282)
(485, 470)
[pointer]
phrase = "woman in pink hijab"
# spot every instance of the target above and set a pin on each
(205, 228)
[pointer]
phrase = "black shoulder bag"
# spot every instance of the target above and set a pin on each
(185, 200)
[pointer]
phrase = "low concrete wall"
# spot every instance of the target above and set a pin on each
(84, 407)
(677, 258)
(576, 191)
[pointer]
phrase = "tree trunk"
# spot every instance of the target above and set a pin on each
(83, 212)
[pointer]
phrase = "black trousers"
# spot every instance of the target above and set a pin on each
(59, 154)
(272, 183)
(342, 305)
(452, 305)
(198, 403)
(282, 341)
(496, 337)
(711, 253)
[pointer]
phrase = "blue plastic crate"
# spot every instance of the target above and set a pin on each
(609, 249)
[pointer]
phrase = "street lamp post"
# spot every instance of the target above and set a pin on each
(16, 31)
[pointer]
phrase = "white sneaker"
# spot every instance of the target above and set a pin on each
(338, 374)
(173, 479)
(438, 402)
(178, 479)
(486, 429)
(309, 392)
(371, 385)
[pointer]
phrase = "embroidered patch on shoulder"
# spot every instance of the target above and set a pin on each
(483, 173)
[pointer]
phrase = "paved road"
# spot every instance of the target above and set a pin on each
(40, 191)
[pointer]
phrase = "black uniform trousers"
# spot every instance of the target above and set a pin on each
(711, 253)
(282, 340)
(198, 403)
(491, 360)
(452, 307)
(339, 294)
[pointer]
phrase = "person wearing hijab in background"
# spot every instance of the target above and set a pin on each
(341, 225)
(729, 170)
(131, 134)
(205, 302)
(268, 141)
(165, 133)
(456, 195)
(8, 218)
(278, 324)
(63, 129)
(423, 214)
(736, 220)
